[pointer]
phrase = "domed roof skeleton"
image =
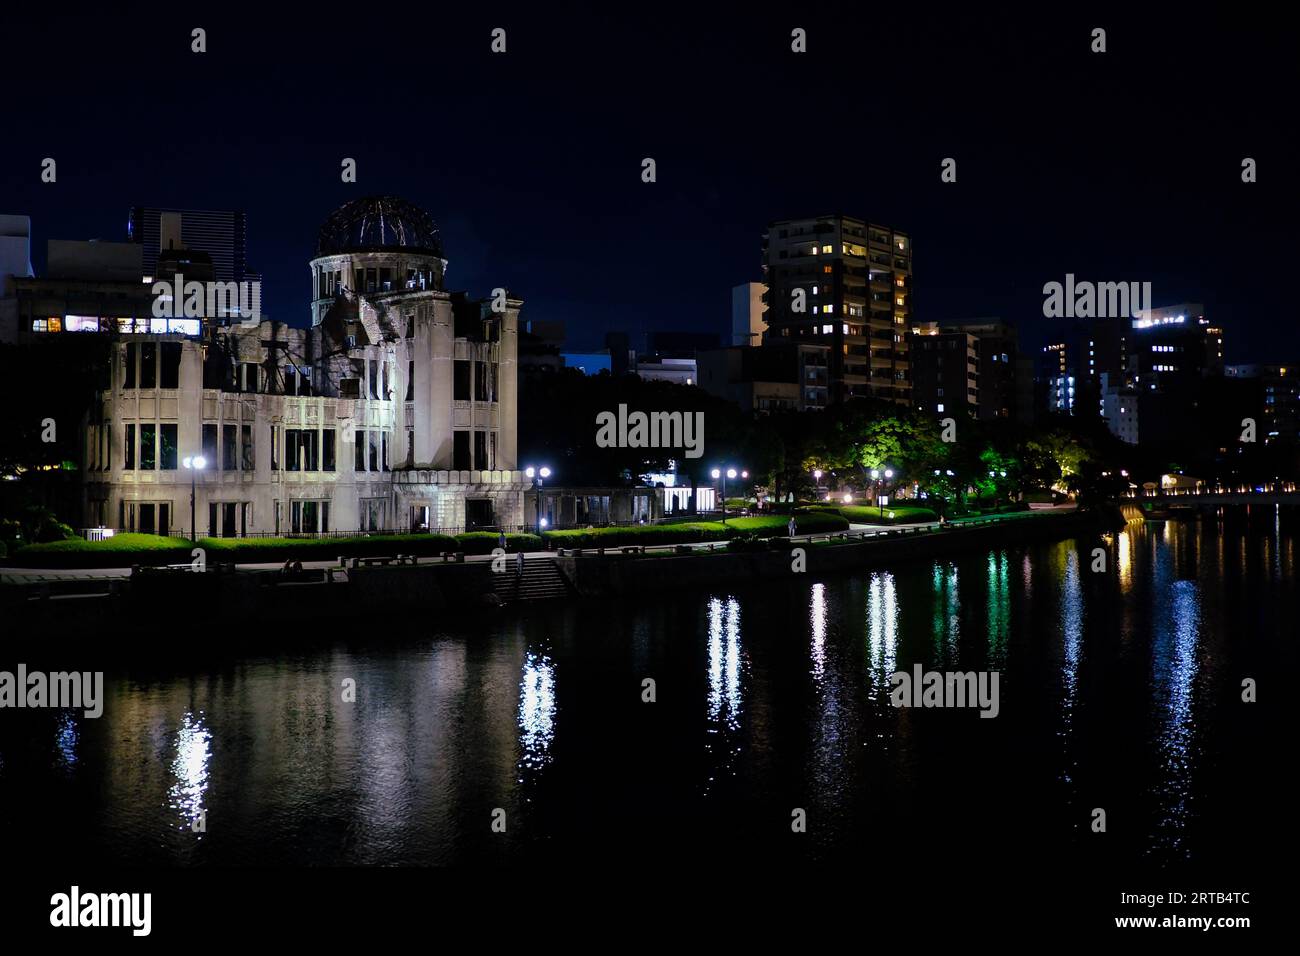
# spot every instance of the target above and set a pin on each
(376, 223)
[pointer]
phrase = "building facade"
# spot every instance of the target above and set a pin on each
(847, 284)
(774, 377)
(396, 409)
(221, 234)
(945, 371)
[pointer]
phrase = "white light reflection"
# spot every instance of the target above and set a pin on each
(882, 629)
(725, 700)
(1174, 669)
(1071, 633)
(818, 631)
(536, 711)
(190, 769)
(724, 662)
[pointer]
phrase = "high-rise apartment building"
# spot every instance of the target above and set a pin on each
(847, 284)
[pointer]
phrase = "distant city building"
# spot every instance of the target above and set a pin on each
(1002, 382)
(90, 286)
(847, 284)
(622, 357)
(1174, 348)
(747, 313)
(1003, 389)
(768, 378)
(15, 263)
(669, 356)
(681, 371)
(945, 370)
(588, 363)
(1058, 373)
(1279, 412)
(220, 234)
(1120, 409)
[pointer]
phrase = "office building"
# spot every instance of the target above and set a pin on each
(222, 235)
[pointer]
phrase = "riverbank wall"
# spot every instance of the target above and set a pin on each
(240, 604)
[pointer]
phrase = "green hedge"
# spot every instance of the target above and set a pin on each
(646, 534)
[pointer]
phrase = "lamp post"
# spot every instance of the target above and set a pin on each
(538, 476)
(817, 476)
(194, 464)
(875, 477)
(729, 473)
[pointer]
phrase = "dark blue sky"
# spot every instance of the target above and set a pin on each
(1119, 166)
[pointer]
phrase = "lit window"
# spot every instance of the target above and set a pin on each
(939, 406)
(826, 249)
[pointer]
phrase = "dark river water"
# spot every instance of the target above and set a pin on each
(1119, 689)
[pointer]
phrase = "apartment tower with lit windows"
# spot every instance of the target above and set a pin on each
(847, 284)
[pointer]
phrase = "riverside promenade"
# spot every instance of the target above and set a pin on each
(108, 600)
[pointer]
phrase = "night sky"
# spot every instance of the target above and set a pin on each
(1116, 167)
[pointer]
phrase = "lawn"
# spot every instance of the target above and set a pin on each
(762, 526)
(124, 550)
(870, 514)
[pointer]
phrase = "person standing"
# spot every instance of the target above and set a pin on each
(792, 526)
(501, 540)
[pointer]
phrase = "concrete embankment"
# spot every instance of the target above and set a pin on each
(240, 604)
(629, 574)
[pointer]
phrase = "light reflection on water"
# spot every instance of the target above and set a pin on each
(818, 622)
(1117, 678)
(189, 769)
(947, 613)
(536, 711)
(882, 630)
(725, 670)
(1174, 669)
(999, 610)
(65, 741)
(1071, 635)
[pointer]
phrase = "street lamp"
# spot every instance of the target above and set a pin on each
(876, 479)
(538, 476)
(730, 473)
(194, 464)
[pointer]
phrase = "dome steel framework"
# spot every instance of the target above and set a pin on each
(376, 224)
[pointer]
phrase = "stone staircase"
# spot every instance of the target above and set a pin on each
(541, 581)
